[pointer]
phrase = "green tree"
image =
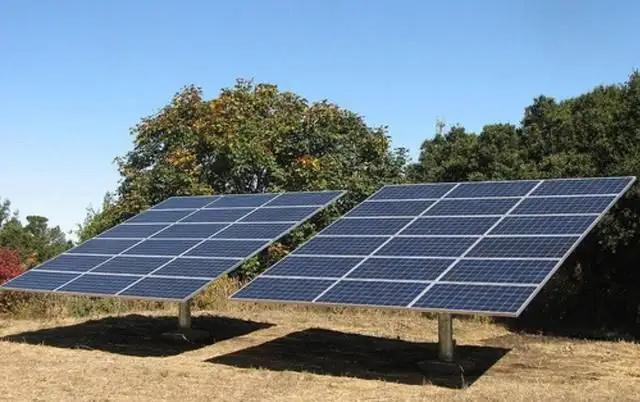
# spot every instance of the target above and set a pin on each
(594, 134)
(250, 138)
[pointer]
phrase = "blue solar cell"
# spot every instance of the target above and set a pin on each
(133, 231)
(152, 216)
(558, 205)
(311, 198)
(218, 215)
(468, 225)
(99, 284)
(244, 200)
(522, 247)
(161, 247)
(39, 280)
(380, 226)
(68, 262)
(373, 293)
(282, 289)
(191, 231)
(413, 191)
(103, 246)
(583, 186)
(476, 298)
(417, 269)
(496, 206)
(197, 267)
(390, 208)
(280, 214)
(132, 265)
(165, 288)
(341, 245)
(227, 248)
(326, 267)
(426, 246)
(254, 231)
(190, 202)
(528, 225)
(493, 189)
(500, 271)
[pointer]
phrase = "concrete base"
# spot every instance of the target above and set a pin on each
(187, 335)
(444, 368)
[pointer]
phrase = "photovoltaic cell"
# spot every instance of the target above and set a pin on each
(175, 248)
(99, 284)
(341, 246)
(132, 265)
(481, 298)
(197, 267)
(456, 207)
(397, 294)
(426, 247)
(187, 231)
(284, 289)
(475, 247)
(69, 262)
(573, 205)
(522, 247)
(366, 226)
(450, 226)
(390, 208)
(422, 269)
(133, 231)
(551, 225)
(186, 202)
(583, 186)
(496, 189)
(326, 267)
(416, 191)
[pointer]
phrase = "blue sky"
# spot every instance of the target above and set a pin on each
(76, 75)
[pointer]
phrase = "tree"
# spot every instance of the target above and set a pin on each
(9, 264)
(251, 138)
(594, 134)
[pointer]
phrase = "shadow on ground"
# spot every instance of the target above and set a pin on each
(335, 353)
(136, 335)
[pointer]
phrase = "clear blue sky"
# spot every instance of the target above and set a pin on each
(76, 75)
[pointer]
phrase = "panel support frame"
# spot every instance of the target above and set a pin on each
(446, 343)
(184, 315)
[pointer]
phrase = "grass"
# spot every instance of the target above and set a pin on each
(276, 353)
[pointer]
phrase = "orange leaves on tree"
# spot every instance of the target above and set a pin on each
(9, 264)
(309, 162)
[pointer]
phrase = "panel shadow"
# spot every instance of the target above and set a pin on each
(136, 335)
(335, 353)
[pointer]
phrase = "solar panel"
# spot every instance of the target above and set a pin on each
(175, 248)
(470, 248)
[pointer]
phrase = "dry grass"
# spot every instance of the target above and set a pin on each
(295, 354)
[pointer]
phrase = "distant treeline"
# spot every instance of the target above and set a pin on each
(253, 137)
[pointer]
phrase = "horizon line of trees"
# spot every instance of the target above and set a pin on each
(253, 137)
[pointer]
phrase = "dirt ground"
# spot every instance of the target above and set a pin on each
(301, 355)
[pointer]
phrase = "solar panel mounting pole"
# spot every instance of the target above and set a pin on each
(184, 315)
(445, 337)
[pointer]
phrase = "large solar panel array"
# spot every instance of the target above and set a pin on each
(176, 248)
(473, 247)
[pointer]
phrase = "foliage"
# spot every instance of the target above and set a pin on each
(251, 138)
(594, 134)
(9, 264)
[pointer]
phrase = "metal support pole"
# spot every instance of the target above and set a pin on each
(184, 315)
(445, 337)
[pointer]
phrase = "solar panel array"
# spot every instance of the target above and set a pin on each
(473, 247)
(176, 248)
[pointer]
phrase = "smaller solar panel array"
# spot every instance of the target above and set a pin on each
(473, 247)
(174, 249)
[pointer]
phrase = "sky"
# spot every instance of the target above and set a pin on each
(75, 76)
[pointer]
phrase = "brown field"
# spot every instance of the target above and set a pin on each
(299, 354)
